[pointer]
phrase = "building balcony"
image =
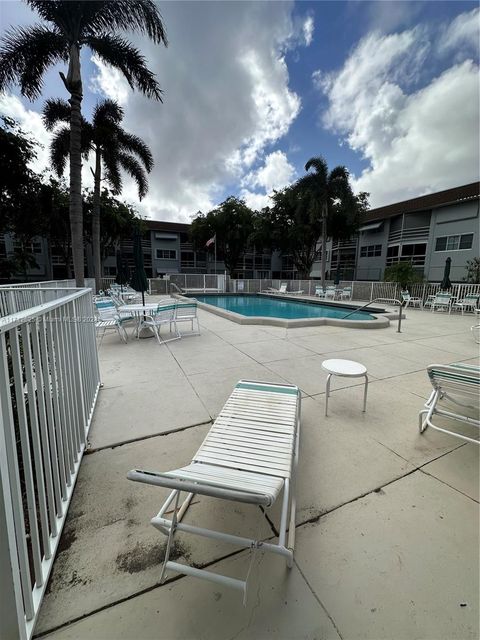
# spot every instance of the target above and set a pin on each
(418, 233)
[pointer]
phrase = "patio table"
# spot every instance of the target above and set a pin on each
(138, 311)
(345, 369)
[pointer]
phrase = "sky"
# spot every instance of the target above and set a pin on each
(252, 90)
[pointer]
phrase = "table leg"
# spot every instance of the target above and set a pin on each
(365, 394)
(327, 393)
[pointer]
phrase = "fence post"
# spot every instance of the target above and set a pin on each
(371, 292)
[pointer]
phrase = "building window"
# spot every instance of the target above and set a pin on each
(166, 254)
(371, 250)
(454, 243)
(35, 246)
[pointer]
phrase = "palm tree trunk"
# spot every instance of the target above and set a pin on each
(97, 260)
(76, 211)
(324, 243)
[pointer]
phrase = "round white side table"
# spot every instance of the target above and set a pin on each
(345, 369)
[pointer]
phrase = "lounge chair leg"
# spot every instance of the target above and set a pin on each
(171, 533)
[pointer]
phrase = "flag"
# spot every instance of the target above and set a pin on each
(211, 241)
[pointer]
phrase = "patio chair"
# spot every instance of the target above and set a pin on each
(442, 301)
(163, 315)
(429, 301)
(411, 300)
(469, 302)
(109, 318)
(330, 292)
(249, 455)
(320, 292)
(346, 293)
(186, 312)
(459, 384)
(282, 289)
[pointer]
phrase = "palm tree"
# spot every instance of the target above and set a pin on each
(114, 149)
(331, 198)
(67, 26)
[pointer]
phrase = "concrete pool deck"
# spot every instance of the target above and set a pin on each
(387, 519)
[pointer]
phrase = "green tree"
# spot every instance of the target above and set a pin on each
(328, 204)
(402, 272)
(473, 271)
(67, 26)
(232, 223)
(114, 149)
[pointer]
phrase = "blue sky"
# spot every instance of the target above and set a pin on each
(254, 89)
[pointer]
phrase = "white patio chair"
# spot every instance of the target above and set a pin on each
(163, 315)
(320, 292)
(411, 300)
(330, 292)
(346, 293)
(469, 302)
(249, 455)
(429, 301)
(442, 301)
(457, 383)
(186, 312)
(109, 318)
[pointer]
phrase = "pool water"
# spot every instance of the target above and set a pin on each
(266, 307)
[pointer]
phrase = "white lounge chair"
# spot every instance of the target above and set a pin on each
(411, 300)
(459, 384)
(282, 288)
(320, 292)
(346, 293)
(330, 292)
(442, 301)
(249, 455)
(186, 312)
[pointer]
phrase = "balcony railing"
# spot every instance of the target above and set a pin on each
(418, 233)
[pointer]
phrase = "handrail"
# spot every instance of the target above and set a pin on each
(172, 284)
(395, 300)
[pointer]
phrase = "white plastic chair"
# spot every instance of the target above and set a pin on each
(469, 302)
(330, 292)
(320, 292)
(163, 315)
(187, 312)
(442, 301)
(109, 318)
(346, 293)
(411, 300)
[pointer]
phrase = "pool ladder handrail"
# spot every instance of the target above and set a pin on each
(175, 286)
(388, 300)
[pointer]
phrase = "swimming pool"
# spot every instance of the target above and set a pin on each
(275, 307)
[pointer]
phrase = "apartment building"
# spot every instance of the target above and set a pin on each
(424, 231)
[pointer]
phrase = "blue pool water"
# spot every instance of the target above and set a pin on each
(250, 305)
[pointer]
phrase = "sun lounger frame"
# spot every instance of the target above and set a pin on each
(451, 382)
(286, 541)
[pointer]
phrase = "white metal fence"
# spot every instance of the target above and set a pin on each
(49, 381)
(50, 284)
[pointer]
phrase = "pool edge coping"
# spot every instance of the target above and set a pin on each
(381, 321)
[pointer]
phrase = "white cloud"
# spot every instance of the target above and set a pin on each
(226, 100)
(31, 123)
(414, 142)
(275, 174)
(109, 82)
(308, 27)
(463, 31)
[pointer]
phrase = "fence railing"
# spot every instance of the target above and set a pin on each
(49, 381)
(50, 284)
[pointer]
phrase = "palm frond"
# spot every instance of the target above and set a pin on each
(112, 170)
(134, 144)
(320, 165)
(107, 112)
(140, 16)
(120, 54)
(55, 110)
(60, 149)
(46, 9)
(25, 55)
(134, 169)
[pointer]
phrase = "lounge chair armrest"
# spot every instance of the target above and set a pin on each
(205, 488)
